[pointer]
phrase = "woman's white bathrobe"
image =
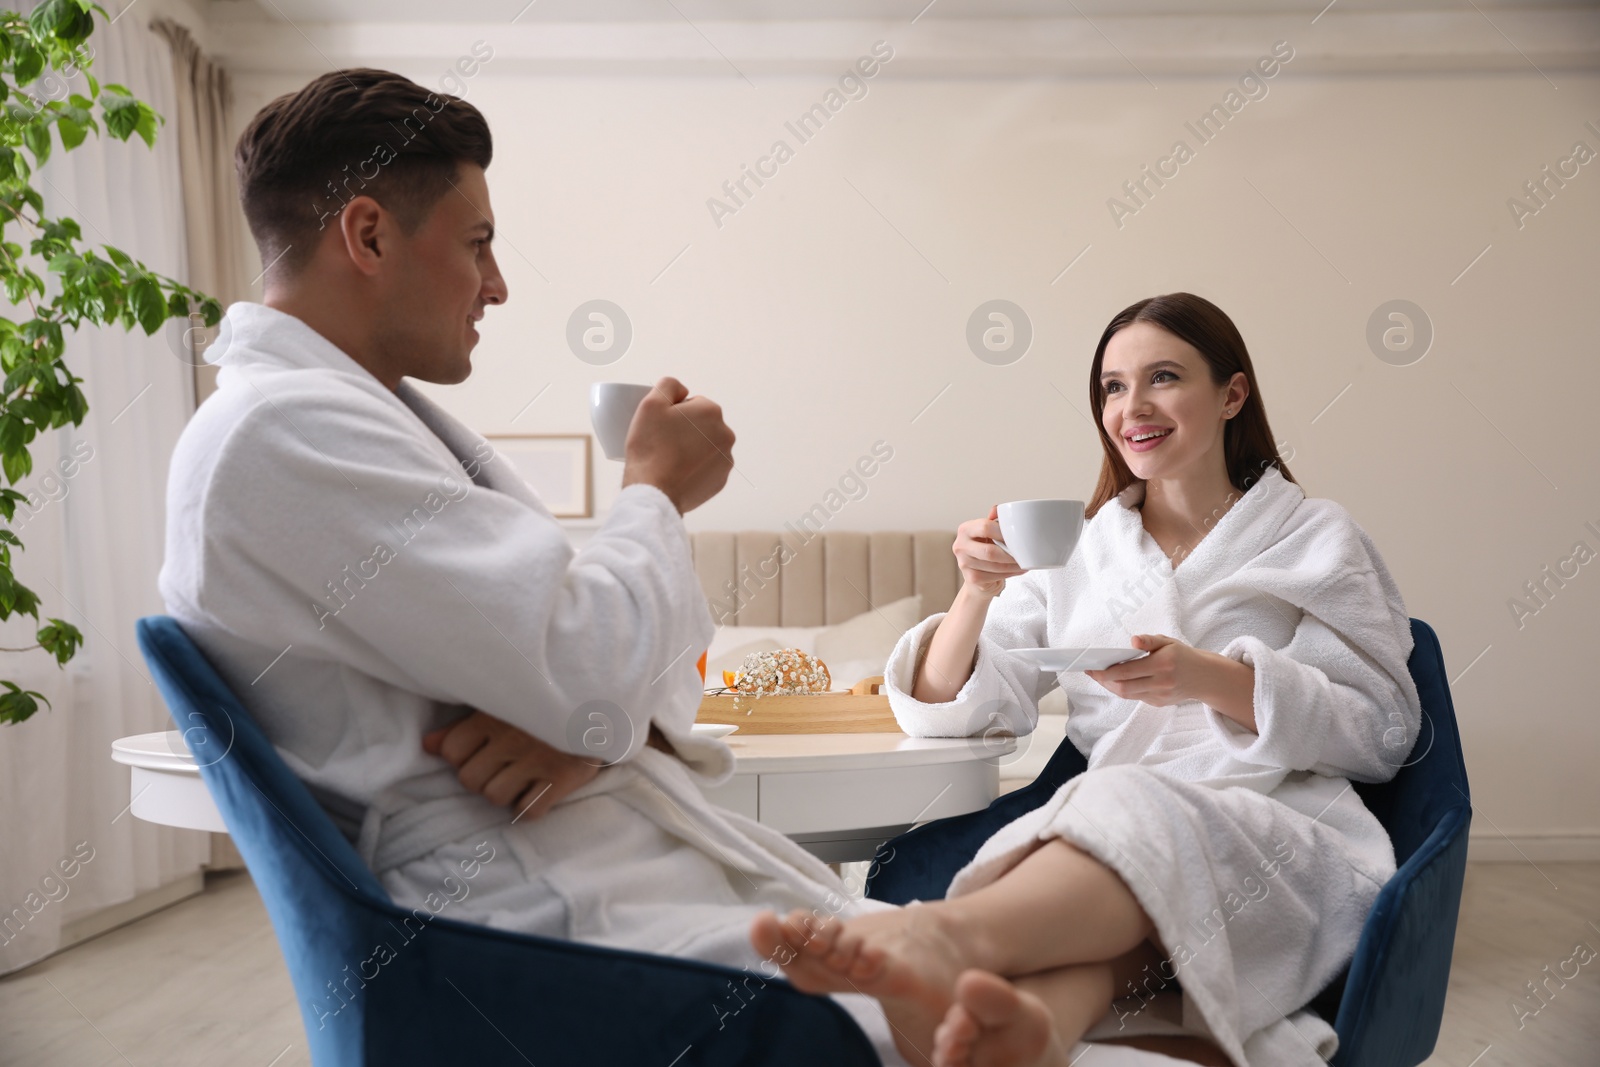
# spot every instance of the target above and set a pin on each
(360, 567)
(1250, 852)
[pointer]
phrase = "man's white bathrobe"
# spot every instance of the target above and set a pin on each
(361, 568)
(1251, 853)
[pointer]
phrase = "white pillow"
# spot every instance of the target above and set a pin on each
(860, 647)
(728, 639)
(854, 649)
(731, 659)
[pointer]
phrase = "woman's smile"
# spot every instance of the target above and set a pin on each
(1133, 436)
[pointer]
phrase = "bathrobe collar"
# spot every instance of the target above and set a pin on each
(1241, 534)
(257, 336)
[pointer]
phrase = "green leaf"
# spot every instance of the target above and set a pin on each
(37, 138)
(19, 376)
(54, 18)
(16, 466)
(72, 134)
(26, 602)
(18, 705)
(121, 114)
(82, 27)
(11, 430)
(28, 63)
(9, 499)
(77, 405)
(33, 411)
(121, 258)
(147, 124)
(148, 304)
(13, 164)
(60, 639)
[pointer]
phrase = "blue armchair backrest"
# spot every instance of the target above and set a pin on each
(1431, 783)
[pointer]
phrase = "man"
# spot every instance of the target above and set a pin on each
(363, 569)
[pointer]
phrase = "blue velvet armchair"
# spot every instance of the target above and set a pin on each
(450, 992)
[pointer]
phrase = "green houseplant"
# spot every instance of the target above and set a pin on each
(45, 84)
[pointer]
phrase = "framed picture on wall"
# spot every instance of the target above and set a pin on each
(558, 466)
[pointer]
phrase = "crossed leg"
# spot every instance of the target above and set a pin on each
(998, 1023)
(1059, 910)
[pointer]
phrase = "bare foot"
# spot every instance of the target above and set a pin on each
(994, 1024)
(907, 958)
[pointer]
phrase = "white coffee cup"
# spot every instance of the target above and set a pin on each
(611, 408)
(1040, 534)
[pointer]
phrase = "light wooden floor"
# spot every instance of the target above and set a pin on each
(202, 983)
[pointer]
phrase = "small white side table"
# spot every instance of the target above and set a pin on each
(165, 784)
(841, 795)
(837, 795)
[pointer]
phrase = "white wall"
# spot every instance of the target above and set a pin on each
(830, 310)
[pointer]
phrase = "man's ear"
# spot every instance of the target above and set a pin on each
(367, 233)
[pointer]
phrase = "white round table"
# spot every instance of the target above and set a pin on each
(837, 795)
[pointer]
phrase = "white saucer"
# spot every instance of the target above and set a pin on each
(1076, 659)
(712, 729)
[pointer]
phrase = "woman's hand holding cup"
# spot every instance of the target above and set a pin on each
(985, 566)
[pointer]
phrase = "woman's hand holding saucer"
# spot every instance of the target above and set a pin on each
(1172, 673)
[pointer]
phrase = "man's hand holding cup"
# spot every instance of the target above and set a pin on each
(665, 437)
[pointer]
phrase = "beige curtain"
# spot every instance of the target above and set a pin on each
(73, 860)
(213, 223)
(214, 226)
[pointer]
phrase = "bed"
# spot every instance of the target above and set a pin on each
(772, 579)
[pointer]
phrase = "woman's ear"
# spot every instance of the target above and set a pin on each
(1238, 391)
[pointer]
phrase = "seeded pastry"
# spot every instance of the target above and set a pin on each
(782, 673)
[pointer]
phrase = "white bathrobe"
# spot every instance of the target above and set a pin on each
(1251, 853)
(361, 568)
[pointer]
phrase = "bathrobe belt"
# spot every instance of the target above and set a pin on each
(406, 822)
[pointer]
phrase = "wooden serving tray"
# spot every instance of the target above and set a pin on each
(863, 710)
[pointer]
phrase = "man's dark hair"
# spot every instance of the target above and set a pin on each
(358, 132)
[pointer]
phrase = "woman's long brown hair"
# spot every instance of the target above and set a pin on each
(1248, 444)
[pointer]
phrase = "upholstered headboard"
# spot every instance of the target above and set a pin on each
(772, 579)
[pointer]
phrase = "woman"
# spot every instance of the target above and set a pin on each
(1214, 844)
